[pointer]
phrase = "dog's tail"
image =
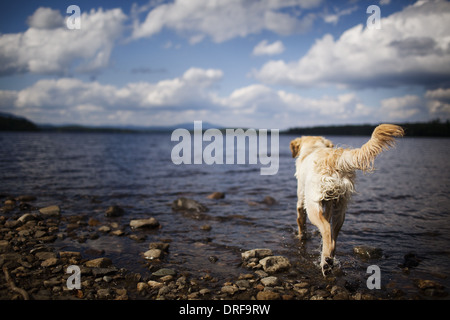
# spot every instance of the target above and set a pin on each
(382, 138)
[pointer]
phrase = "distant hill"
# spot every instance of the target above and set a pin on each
(9, 122)
(433, 128)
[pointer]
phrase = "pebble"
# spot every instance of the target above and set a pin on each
(141, 286)
(50, 262)
(144, 223)
(114, 211)
(368, 252)
(26, 217)
(216, 195)
(188, 204)
(256, 253)
(275, 264)
(229, 290)
(269, 200)
(99, 263)
(104, 293)
(51, 211)
(270, 281)
(267, 295)
(153, 254)
(154, 284)
(164, 272)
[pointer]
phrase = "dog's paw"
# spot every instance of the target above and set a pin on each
(327, 266)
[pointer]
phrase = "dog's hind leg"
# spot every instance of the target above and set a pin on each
(301, 219)
(316, 215)
(337, 221)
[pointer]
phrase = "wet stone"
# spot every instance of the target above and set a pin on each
(164, 272)
(114, 211)
(268, 295)
(153, 254)
(275, 264)
(216, 195)
(50, 211)
(270, 281)
(182, 203)
(256, 253)
(368, 252)
(99, 263)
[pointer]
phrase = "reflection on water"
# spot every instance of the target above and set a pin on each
(403, 206)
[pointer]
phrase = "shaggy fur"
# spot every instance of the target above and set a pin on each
(326, 178)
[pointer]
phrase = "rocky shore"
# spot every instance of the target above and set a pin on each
(34, 268)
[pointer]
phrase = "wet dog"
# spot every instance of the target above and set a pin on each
(326, 178)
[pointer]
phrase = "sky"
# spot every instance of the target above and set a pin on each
(237, 63)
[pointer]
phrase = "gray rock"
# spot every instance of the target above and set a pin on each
(26, 217)
(50, 211)
(144, 223)
(114, 211)
(256, 253)
(104, 293)
(99, 263)
(368, 252)
(100, 272)
(270, 281)
(243, 284)
(275, 264)
(229, 289)
(431, 288)
(164, 272)
(159, 245)
(188, 204)
(26, 198)
(216, 195)
(50, 262)
(267, 295)
(269, 200)
(44, 255)
(70, 254)
(153, 254)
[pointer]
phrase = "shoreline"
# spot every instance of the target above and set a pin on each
(34, 268)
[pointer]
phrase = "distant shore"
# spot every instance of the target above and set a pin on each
(435, 128)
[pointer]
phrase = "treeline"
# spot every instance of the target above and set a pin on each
(13, 123)
(434, 128)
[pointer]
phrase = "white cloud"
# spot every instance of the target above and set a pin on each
(264, 48)
(192, 96)
(439, 102)
(224, 19)
(71, 100)
(49, 47)
(334, 17)
(401, 108)
(413, 47)
(45, 18)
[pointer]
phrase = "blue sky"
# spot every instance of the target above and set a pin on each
(244, 63)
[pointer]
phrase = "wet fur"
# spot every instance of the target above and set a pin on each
(326, 178)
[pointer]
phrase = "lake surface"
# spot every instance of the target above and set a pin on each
(404, 206)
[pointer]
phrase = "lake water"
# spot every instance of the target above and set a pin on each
(404, 206)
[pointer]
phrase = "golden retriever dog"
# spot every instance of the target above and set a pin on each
(326, 177)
